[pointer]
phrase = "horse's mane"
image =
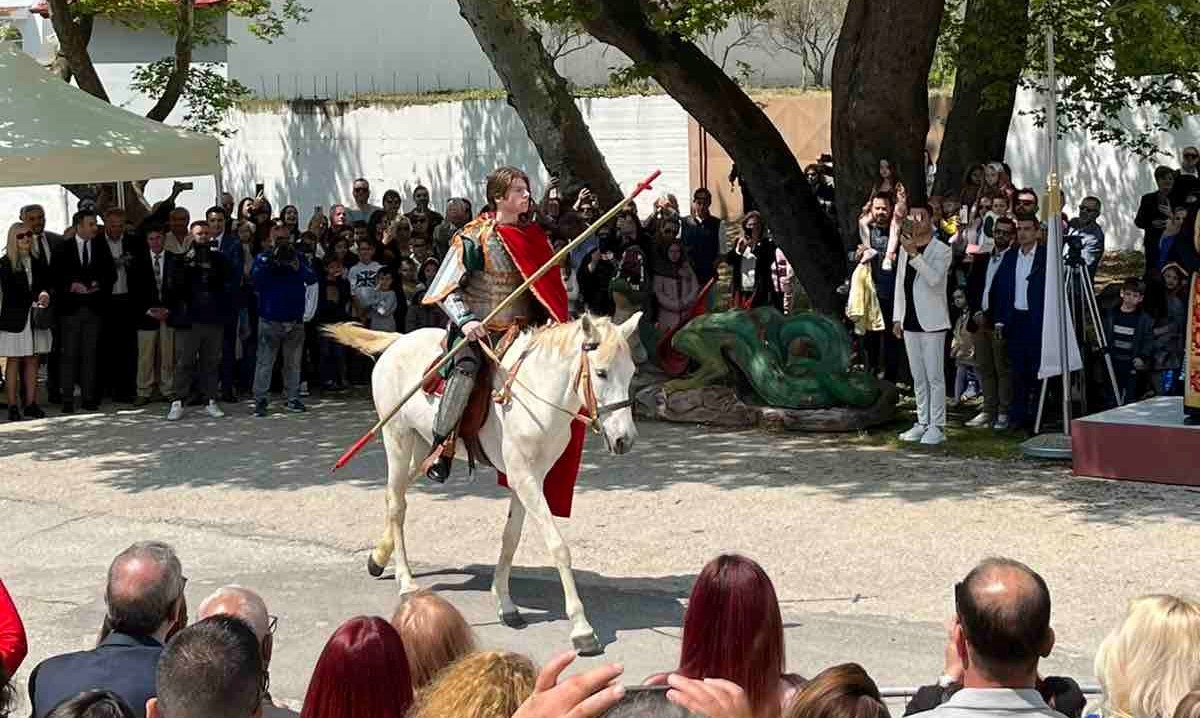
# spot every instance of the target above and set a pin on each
(564, 338)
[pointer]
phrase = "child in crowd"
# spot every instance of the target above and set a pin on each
(1169, 331)
(364, 277)
(422, 316)
(999, 208)
(383, 303)
(962, 351)
(333, 306)
(1130, 333)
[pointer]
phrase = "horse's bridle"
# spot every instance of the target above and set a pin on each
(592, 412)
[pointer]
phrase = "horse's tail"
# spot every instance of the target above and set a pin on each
(365, 340)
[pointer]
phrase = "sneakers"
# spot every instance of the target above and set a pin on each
(982, 420)
(214, 410)
(260, 407)
(1001, 423)
(970, 393)
(303, 388)
(176, 411)
(915, 433)
(296, 406)
(933, 436)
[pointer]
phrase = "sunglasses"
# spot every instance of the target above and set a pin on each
(1191, 155)
(23, 235)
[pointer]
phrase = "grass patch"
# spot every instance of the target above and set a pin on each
(960, 442)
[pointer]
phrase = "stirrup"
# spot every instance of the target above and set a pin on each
(438, 464)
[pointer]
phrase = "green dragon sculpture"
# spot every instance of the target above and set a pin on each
(801, 361)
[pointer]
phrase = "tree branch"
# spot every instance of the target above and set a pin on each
(183, 62)
(73, 41)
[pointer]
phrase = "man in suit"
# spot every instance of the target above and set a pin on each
(991, 353)
(230, 247)
(146, 606)
(83, 274)
(1016, 303)
(155, 338)
(1153, 213)
(921, 317)
(44, 244)
(118, 334)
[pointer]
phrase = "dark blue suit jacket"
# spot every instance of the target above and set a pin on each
(1004, 288)
(124, 664)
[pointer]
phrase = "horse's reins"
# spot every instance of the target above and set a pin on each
(592, 413)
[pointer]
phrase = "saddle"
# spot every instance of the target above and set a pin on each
(475, 414)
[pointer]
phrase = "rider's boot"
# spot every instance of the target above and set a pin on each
(454, 401)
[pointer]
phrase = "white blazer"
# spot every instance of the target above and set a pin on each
(929, 290)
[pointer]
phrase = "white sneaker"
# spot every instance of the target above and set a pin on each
(214, 410)
(1001, 423)
(915, 433)
(982, 420)
(176, 412)
(933, 436)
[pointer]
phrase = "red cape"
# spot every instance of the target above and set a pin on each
(530, 250)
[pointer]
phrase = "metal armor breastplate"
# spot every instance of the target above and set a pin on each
(485, 289)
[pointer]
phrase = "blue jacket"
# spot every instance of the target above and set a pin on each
(123, 664)
(231, 247)
(1004, 287)
(281, 289)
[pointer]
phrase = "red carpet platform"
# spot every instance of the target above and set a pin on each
(1146, 441)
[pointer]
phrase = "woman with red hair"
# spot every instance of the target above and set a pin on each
(362, 673)
(733, 630)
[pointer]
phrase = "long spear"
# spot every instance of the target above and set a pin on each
(550, 264)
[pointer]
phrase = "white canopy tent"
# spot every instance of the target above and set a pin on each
(51, 132)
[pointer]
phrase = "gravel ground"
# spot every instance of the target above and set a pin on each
(863, 544)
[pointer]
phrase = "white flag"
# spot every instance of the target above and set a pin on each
(1051, 359)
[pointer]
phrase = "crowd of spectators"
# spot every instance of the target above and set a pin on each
(200, 312)
(425, 662)
(953, 289)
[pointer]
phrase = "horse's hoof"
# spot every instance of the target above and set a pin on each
(588, 645)
(513, 620)
(373, 568)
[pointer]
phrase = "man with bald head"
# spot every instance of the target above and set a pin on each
(1001, 630)
(146, 606)
(247, 605)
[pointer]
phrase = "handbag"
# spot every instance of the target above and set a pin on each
(41, 317)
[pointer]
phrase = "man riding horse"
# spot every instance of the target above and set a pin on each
(488, 259)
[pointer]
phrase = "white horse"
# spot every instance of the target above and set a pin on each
(585, 363)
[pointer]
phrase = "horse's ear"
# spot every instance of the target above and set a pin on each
(588, 327)
(629, 326)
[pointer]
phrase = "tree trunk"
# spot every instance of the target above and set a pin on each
(991, 56)
(764, 160)
(185, 17)
(73, 44)
(881, 98)
(541, 98)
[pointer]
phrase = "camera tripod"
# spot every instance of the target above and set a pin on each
(1080, 298)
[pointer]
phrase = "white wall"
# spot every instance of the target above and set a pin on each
(312, 158)
(416, 45)
(1117, 177)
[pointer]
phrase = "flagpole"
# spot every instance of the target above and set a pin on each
(1055, 446)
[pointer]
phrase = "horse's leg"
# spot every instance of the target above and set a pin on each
(399, 447)
(509, 615)
(529, 492)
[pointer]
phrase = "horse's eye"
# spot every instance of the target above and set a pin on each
(601, 374)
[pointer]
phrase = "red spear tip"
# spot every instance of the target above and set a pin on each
(353, 450)
(646, 183)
